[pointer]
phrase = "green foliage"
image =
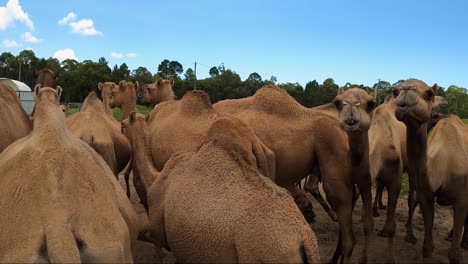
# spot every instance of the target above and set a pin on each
(79, 78)
(465, 121)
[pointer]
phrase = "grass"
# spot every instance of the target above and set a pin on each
(117, 114)
(404, 184)
(465, 121)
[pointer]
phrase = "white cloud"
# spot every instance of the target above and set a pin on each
(28, 37)
(84, 27)
(64, 54)
(70, 17)
(116, 55)
(14, 12)
(10, 43)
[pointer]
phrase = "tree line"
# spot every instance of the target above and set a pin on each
(79, 78)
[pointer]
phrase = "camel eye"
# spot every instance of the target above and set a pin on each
(395, 92)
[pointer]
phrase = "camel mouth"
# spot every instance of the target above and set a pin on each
(351, 127)
(404, 108)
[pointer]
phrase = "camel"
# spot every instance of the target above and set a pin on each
(434, 174)
(45, 78)
(306, 141)
(15, 122)
(221, 175)
(181, 125)
(123, 96)
(60, 201)
(106, 93)
(159, 91)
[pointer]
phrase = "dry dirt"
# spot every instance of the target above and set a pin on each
(326, 231)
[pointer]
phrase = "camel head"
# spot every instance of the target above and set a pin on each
(123, 92)
(159, 91)
(131, 124)
(106, 89)
(355, 107)
(46, 77)
(415, 101)
(52, 97)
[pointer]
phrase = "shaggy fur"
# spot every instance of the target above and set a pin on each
(15, 122)
(303, 141)
(188, 202)
(59, 200)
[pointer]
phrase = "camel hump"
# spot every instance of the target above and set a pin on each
(93, 102)
(194, 101)
(274, 100)
(8, 95)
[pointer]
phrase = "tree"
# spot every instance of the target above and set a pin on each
(142, 75)
(254, 77)
(103, 61)
(273, 79)
(214, 72)
(189, 75)
(120, 73)
(168, 69)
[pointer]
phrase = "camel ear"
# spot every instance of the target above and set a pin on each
(36, 90)
(172, 81)
(374, 94)
(439, 101)
(59, 91)
(147, 116)
(341, 90)
(266, 161)
(122, 85)
(132, 117)
(35, 73)
(137, 86)
(435, 87)
(158, 82)
(99, 85)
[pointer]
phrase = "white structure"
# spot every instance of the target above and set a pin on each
(23, 91)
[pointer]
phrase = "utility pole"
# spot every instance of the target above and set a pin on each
(195, 85)
(19, 73)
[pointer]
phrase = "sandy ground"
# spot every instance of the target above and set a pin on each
(326, 231)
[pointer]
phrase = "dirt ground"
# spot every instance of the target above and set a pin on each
(326, 231)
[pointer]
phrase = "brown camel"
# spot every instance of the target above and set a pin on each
(106, 93)
(102, 132)
(46, 78)
(15, 122)
(123, 96)
(306, 141)
(177, 126)
(221, 175)
(387, 139)
(159, 91)
(60, 201)
(414, 101)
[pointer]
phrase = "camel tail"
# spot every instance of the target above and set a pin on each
(62, 246)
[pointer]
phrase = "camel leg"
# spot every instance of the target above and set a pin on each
(426, 202)
(459, 216)
(364, 186)
(348, 240)
(128, 170)
(381, 205)
(465, 235)
(378, 196)
(390, 225)
(312, 187)
(302, 202)
(410, 238)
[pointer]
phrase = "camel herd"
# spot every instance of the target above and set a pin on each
(220, 182)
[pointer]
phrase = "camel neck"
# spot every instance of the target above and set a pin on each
(107, 107)
(128, 108)
(142, 157)
(49, 120)
(416, 141)
(359, 148)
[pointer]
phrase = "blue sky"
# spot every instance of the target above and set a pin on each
(296, 41)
